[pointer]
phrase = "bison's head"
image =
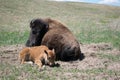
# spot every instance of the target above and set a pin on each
(38, 29)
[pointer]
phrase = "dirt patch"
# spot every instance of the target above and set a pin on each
(9, 54)
(98, 64)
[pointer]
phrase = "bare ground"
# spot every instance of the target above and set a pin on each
(101, 62)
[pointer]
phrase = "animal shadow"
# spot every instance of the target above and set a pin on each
(82, 56)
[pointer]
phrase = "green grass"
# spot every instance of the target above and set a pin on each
(110, 57)
(11, 72)
(95, 36)
(9, 38)
(90, 23)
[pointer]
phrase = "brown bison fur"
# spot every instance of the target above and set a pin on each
(55, 35)
(37, 55)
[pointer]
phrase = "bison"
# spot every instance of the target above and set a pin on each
(54, 35)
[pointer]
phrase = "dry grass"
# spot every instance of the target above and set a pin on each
(86, 21)
(97, 27)
(96, 65)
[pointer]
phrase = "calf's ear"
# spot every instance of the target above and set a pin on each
(53, 50)
(46, 52)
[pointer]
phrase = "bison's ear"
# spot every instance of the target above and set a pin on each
(32, 23)
(46, 25)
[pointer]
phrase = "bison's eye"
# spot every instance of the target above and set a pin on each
(34, 32)
(32, 26)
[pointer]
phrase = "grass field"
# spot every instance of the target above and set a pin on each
(89, 22)
(97, 27)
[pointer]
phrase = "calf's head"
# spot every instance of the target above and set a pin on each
(50, 57)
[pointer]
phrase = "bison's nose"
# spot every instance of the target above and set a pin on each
(34, 32)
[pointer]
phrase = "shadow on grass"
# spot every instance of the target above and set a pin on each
(82, 56)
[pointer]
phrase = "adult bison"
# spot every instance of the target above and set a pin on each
(55, 35)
